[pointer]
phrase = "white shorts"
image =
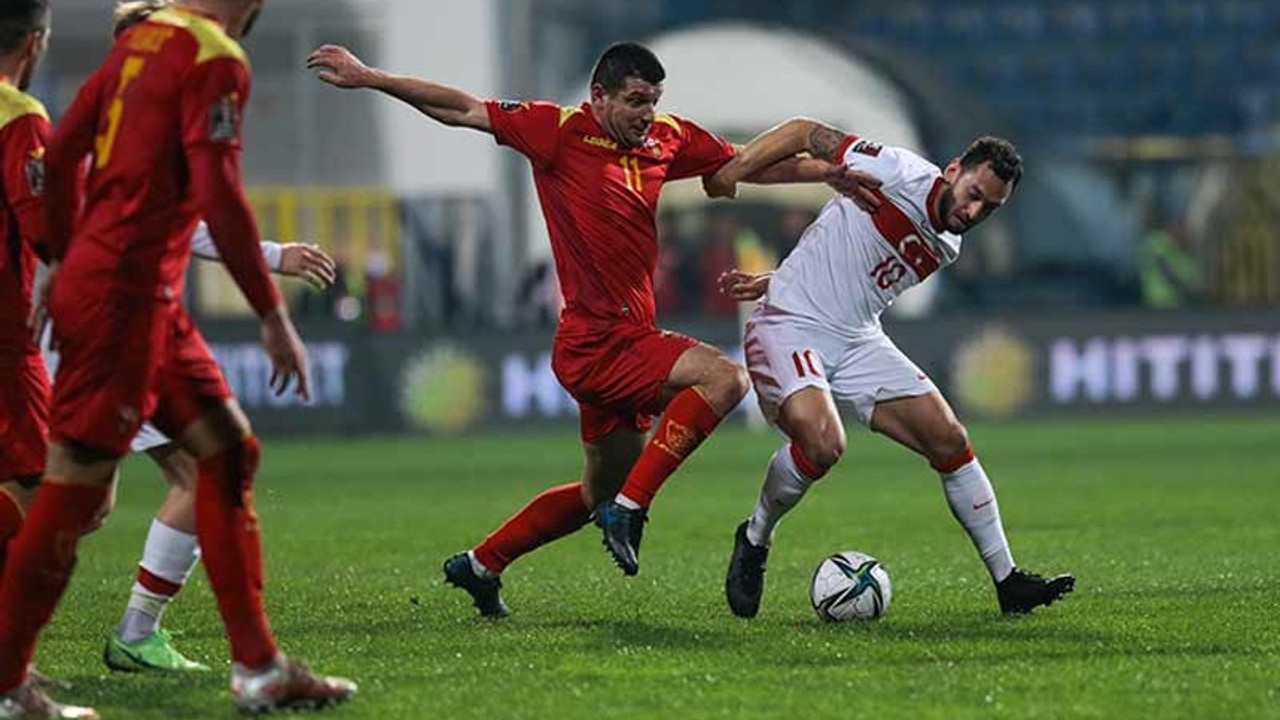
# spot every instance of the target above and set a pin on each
(786, 354)
(147, 438)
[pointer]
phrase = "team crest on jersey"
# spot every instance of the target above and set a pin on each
(224, 118)
(512, 106)
(35, 172)
(866, 147)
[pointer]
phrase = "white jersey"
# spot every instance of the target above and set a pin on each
(850, 265)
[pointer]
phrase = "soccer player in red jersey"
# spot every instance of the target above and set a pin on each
(24, 384)
(599, 168)
(161, 118)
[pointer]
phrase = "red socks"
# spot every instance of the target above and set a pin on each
(232, 550)
(41, 558)
(686, 423)
(10, 523)
(550, 516)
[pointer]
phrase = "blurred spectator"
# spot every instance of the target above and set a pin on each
(791, 225)
(729, 245)
(719, 254)
(382, 288)
(1169, 274)
(676, 280)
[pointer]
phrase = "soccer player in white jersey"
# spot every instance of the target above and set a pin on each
(816, 339)
(171, 550)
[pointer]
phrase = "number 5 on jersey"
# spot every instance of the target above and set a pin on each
(106, 140)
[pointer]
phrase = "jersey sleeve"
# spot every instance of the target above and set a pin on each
(531, 128)
(701, 153)
(213, 103)
(24, 141)
(202, 246)
(881, 162)
(72, 141)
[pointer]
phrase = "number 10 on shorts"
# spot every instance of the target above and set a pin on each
(803, 361)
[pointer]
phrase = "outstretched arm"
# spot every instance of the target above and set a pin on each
(338, 66)
(755, 161)
(299, 260)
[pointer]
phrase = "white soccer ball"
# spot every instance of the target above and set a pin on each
(850, 586)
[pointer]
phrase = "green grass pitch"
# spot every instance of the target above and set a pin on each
(1170, 526)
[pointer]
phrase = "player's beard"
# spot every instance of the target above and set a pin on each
(947, 203)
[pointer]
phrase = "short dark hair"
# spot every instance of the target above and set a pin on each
(131, 12)
(1005, 161)
(623, 60)
(18, 18)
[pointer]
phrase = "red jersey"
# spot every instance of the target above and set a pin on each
(161, 113)
(600, 201)
(24, 132)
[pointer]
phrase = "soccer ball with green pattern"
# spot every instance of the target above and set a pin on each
(850, 586)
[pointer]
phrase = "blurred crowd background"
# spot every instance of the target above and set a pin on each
(1151, 129)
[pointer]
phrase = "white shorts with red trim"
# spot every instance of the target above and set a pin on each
(785, 354)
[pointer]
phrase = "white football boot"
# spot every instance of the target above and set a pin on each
(286, 683)
(29, 702)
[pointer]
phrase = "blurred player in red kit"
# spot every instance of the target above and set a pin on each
(161, 118)
(24, 384)
(599, 168)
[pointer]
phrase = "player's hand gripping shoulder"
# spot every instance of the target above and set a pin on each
(288, 356)
(340, 67)
(744, 286)
(309, 263)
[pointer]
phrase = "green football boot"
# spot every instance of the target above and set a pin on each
(154, 653)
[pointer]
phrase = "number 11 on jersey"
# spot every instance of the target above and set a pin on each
(631, 172)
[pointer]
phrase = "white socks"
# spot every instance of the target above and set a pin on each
(784, 485)
(626, 502)
(968, 491)
(167, 561)
(973, 503)
(478, 567)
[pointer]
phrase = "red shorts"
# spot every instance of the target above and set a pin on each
(24, 416)
(127, 359)
(617, 375)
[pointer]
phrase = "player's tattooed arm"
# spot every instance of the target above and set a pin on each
(825, 141)
(776, 143)
(771, 158)
(340, 67)
(774, 157)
